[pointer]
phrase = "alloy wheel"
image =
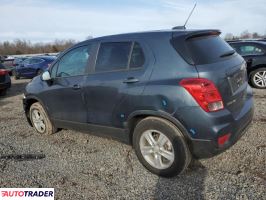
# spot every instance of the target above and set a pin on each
(38, 121)
(157, 149)
(260, 78)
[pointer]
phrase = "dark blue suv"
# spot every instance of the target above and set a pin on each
(174, 95)
(32, 67)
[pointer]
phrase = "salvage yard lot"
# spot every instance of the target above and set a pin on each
(82, 166)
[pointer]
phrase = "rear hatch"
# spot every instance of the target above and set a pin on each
(215, 60)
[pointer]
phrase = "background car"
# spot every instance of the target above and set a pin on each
(254, 53)
(8, 63)
(5, 81)
(31, 67)
(19, 60)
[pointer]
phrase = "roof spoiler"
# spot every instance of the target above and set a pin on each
(202, 33)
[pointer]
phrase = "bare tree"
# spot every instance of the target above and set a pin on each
(26, 47)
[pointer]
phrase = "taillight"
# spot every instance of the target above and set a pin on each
(223, 139)
(204, 92)
(3, 72)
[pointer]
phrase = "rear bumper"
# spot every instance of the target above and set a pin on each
(205, 128)
(209, 148)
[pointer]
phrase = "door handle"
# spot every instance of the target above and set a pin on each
(131, 80)
(76, 87)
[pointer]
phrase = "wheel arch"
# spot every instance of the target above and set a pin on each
(27, 104)
(255, 68)
(136, 116)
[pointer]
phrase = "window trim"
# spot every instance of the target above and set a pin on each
(129, 60)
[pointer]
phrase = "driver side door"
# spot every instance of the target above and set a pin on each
(64, 97)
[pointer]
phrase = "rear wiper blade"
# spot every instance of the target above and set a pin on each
(229, 53)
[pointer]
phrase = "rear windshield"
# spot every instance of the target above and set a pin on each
(208, 49)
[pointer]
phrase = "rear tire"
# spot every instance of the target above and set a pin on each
(258, 78)
(169, 155)
(40, 120)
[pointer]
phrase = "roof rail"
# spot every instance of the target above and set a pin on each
(248, 39)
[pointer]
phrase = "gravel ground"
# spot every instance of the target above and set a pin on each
(82, 166)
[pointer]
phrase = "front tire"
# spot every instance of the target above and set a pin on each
(258, 78)
(40, 120)
(161, 147)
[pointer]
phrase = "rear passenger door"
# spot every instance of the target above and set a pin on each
(119, 74)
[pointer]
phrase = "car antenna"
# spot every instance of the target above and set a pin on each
(184, 26)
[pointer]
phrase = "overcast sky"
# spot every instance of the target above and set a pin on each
(47, 20)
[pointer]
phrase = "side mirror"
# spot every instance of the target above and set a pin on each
(46, 76)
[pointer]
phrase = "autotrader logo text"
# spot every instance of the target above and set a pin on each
(27, 193)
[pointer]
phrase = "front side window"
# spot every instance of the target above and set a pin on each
(54, 70)
(26, 62)
(113, 56)
(250, 50)
(74, 63)
(36, 61)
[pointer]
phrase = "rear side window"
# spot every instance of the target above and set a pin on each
(250, 50)
(36, 61)
(207, 49)
(113, 56)
(137, 56)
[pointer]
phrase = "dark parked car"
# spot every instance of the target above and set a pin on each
(254, 52)
(8, 63)
(11, 64)
(5, 81)
(33, 66)
(173, 95)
